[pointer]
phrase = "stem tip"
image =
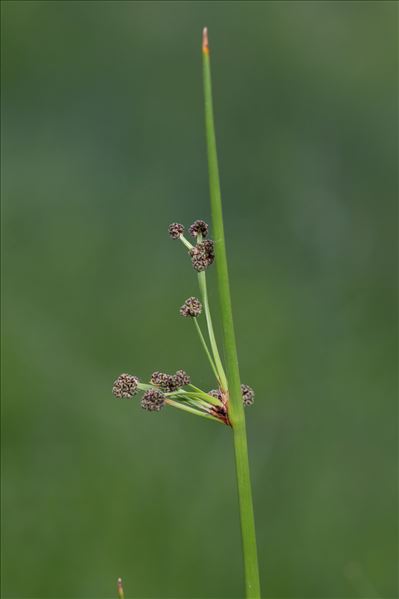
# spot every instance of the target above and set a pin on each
(205, 45)
(121, 594)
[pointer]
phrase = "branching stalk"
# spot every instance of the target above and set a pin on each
(212, 339)
(235, 405)
(204, 345)
(186, 408)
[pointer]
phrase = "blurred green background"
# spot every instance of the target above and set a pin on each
(103, 146)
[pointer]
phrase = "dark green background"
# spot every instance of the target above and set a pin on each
(104, 147)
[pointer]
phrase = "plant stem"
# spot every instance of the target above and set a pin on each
(235, 404)
(204, 345)
(212, 339)
(186, 408)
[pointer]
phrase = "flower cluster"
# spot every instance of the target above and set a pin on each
(199, 227)
(248, 394)
(202, 255)
(125, 386)
(191, 307)
(168, 389)
(170, 382)
(175, 230)
(153, 400)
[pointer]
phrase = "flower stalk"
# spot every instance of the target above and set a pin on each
(235, 405)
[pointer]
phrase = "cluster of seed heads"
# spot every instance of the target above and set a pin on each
(248, 394)
(199, 227)
(175, 230)
(170, 382)
(153, 400)
(191, 307)
(125, 386)
(202, 255)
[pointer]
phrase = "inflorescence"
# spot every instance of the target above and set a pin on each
(176, 230)
(191, 307)
(248, 394)
(125, 386)
(153, 400)
(176, 389)
(199, 227)
(202, 255)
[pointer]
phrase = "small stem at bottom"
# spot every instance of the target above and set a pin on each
(246, 512)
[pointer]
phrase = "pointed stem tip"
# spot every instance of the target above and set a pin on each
(205, 45)
(121, 594)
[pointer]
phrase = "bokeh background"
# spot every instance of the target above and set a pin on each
(103, 146)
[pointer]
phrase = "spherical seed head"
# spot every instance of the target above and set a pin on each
(199, 227)
(182, 378)
(153, 400)
(125, 386)
(202, 255)
(215, 393)
(173, 383)
(191, 307)
(248, 395)
(160, 379)
(175, 230)
(166, 382)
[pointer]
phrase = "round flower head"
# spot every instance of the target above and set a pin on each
(248, 395)
(153, 400)
(160, 379)
(175, 230)
(173, 383)
(202, 255)
(166, 382)
(182, 378)
(199, 227)
(125, 386)
(191, 307)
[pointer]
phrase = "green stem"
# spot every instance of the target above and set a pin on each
(212, 339)
(185, 242)
(204, 345)
(186, 408)
(204, 398)
(235, 405)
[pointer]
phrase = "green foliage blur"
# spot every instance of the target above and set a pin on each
(104, 146)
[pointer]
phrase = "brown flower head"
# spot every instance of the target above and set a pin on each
(153, 400)
(202, 255)
(191, 307)
(166, 382)
(199, 227)
(125, 386)
(182, 378)
(248, 395)
(175, 230)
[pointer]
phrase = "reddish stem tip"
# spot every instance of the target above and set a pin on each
(205, 45)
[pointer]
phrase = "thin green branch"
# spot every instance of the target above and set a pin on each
(204, 345)
(235, 405)
(186, 408)
(212, 339)
(185, 242)
(204, 398)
